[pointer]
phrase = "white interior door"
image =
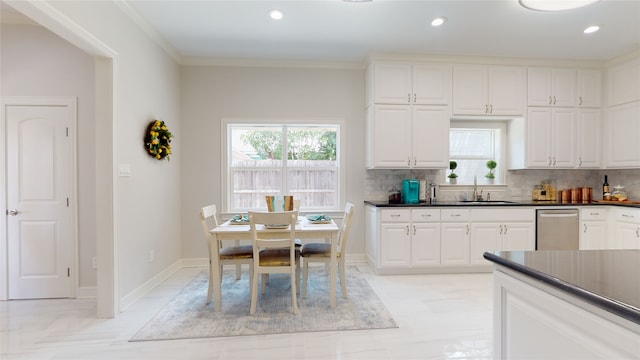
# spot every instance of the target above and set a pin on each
(39, 183)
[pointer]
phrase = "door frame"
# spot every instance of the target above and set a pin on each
(106, 95)
(68, 101)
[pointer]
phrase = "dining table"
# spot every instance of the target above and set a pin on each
(305, 229)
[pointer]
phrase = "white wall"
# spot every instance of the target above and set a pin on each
(36, 62)
(147, 86)
(210, 94)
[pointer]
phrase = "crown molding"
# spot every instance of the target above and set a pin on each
(148, 29)
(273, 63)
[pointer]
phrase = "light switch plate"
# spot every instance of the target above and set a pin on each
(124, 170)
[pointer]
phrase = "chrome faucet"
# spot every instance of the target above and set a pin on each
(475, 189)
(476, 196)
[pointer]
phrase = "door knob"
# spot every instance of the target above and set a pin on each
(13, 212)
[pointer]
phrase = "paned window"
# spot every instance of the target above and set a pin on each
(302, 160)
(472, 144)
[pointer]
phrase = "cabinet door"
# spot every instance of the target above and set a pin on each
(589, 138)
(518, 236)
(563, 135)
(430, 137)
(470, 90)
(539, 87)
(622, 129)
(484, 237)
(432, 84)
(454, 244)
(506, 90)
(627, 236)
(593, 235)
(588, 88)
(425, 244)
(395, 245)
(563, 87)
(538, 137)
(391, 83)
(391, 142)
(623, 85)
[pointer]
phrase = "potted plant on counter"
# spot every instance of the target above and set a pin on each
(491, 165)
(452, 176)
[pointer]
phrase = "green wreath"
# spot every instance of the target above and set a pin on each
(157, 140)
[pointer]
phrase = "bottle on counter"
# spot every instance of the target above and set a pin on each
(605, 189)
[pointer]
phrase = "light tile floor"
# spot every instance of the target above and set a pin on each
(439, 317)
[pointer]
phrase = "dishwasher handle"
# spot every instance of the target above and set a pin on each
(548, 215)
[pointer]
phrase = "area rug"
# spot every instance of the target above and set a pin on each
(187, 316)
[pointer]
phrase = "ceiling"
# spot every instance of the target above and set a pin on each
(335, 30)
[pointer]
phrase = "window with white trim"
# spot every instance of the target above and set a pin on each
(256, 167)
(472, 144)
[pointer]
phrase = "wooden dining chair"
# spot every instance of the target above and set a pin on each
(321, 252)
(274, 250)
(223, 255)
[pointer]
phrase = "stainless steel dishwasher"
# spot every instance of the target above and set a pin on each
(557, 229)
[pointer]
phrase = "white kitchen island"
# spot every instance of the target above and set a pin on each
(566, 304)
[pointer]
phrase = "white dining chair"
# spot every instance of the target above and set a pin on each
(274, 250)
(220, 255)
(321, 252)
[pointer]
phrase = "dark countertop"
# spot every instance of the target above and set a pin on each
(609, 279)
(384, 203)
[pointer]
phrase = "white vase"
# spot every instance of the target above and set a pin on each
(453, 181)
(490, 180)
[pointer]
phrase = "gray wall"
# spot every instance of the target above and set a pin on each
(211, 93)
(36, 62)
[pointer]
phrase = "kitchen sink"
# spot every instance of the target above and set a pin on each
(487, 202)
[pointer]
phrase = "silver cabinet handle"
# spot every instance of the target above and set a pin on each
(395, 215)
(627, 216)
(408, 98)
(580, 161)
(486, 108)
(409, 161)
(505, 229)
(467, 229)
(414, 229)
(554, 100)
(427, 215)
(585, 229)
(637, 232)
(500, 229)
(414, 97)
(594, 214)
(550, 102)
(455, 215)
(550, 163)
(407, 229)
(580, 100)
(13, 212)
(554, 161)
(490, 109)
(415, 161)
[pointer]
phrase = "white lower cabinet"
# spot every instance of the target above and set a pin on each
(627, 229)
(516, 230)
(454, 240)
(593, 228)
(425, 237)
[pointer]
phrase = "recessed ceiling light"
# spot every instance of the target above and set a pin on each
(591, 29)
(276, 14)
(438, 21)
(555, 5)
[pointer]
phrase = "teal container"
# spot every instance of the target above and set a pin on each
(411, 191)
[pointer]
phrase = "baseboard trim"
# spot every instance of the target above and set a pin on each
(143, 289)
(87, 292)
(194, 262)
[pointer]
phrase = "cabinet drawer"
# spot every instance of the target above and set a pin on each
(628, 215)
(502, 215)
(425, 215)
(454, 215)
(593, 213)
(396, 215)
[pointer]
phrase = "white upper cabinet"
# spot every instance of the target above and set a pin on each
(624, 83)
(589, 142)
(405, 83)
(402, 136)
(488, 90)
(589, 88)
(551, 138)
(622, 133)
(551, 87)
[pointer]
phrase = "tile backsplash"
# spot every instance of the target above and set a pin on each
(519, 183)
